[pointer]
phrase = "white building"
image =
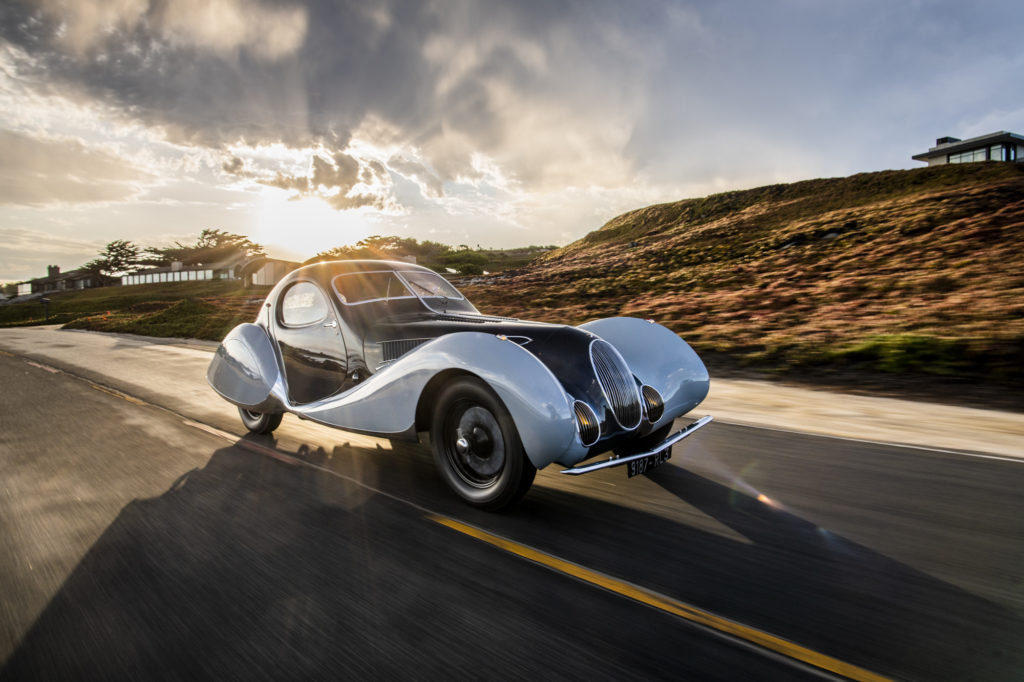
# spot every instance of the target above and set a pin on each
(1001, 146)
(178, 272)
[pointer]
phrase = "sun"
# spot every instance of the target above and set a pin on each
(305, 226)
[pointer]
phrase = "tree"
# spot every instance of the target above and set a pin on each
(116, 259)
(212, 246)
(377, 247)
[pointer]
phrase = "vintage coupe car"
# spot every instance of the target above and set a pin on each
(392, 349)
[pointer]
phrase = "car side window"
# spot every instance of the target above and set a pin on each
(303, 304)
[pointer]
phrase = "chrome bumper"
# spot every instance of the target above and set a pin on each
(619, 461)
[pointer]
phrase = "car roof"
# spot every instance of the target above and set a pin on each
(331, 268)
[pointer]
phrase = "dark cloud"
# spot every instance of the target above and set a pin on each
(37, 172)
(343, 173)
(234, 166)
(334, 180)
(448, 78)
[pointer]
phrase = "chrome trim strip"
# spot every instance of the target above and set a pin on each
(619, 461)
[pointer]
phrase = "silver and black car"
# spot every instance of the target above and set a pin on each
(392, 349)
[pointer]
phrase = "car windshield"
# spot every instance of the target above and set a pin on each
(363, 287)
(428, 284)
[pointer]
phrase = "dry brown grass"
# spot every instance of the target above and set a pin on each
(918, 271)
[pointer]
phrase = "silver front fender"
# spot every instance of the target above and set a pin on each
(657, 357)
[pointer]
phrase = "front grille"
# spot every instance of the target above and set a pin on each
(617, 383)
(586, 423)
(392, 350)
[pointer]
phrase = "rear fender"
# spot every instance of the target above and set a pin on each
(245, 370)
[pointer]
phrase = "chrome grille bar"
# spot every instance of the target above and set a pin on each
(617, 384)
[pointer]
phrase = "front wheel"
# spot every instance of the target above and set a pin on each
(477, 447)
(260, 422)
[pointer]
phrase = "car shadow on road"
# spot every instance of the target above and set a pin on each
(247, 568)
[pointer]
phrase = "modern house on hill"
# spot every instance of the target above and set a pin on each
(1001, 146)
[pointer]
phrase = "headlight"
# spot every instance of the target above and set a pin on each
(653, 404)
(586, 423)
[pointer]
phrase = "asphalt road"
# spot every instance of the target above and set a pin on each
(142, 536)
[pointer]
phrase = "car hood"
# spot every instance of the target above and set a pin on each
(563, 349)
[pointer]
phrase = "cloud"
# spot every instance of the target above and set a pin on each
(541, 90)
(26, 253)
(46, 171)
(220, 26)
(341, 180)
(429, 184)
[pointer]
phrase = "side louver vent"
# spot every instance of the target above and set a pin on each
(392, 350)
(617, 383)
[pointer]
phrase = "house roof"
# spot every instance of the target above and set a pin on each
(954, 146)
(70, 274)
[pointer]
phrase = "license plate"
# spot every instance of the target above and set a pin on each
(645, 464)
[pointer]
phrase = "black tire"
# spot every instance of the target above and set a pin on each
(260, 422)
(477, 447)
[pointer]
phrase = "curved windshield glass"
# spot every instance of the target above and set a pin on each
(428, 284)
(363, 287)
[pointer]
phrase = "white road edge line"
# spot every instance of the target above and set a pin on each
(911, 446)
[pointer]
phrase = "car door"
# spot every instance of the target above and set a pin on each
(311, 343)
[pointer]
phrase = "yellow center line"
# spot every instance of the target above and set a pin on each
(115, 393)
(667, 604)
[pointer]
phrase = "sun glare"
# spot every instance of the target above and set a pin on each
(303, 227)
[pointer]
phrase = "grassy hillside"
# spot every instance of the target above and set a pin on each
(918, 271)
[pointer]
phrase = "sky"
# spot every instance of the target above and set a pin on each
(309, 124)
